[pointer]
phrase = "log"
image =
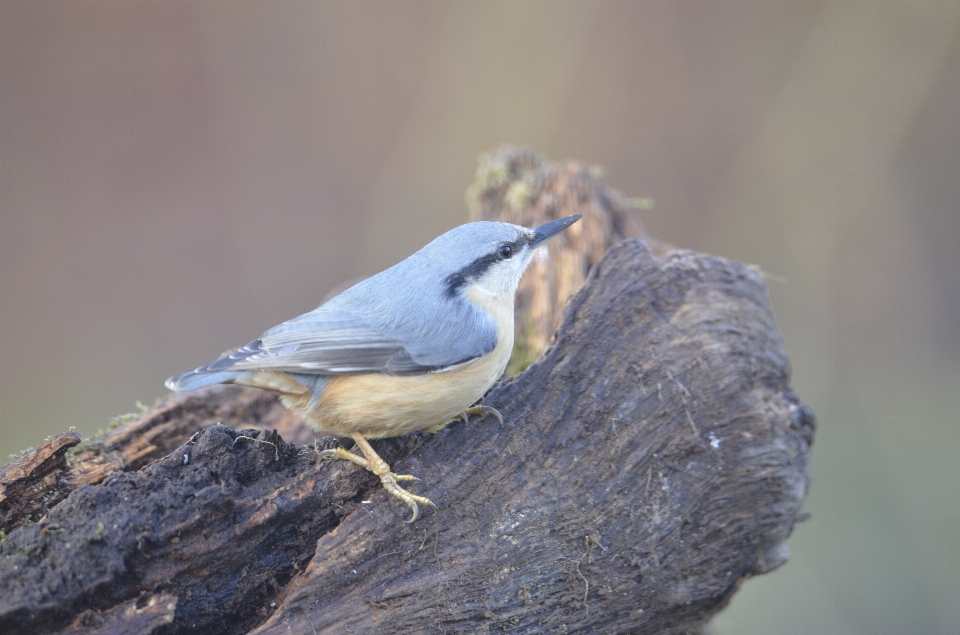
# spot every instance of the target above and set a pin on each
(652, 459)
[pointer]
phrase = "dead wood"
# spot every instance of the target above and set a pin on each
(652, 459)
(30, 486)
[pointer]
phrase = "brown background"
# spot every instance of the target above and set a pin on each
(175, 177)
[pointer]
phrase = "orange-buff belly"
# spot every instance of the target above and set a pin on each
(377, 405)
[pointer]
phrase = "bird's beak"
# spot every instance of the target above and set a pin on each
(545, 232)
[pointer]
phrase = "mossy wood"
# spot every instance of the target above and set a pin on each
(652, 459)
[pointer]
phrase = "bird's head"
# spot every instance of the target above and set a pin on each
(491, 257)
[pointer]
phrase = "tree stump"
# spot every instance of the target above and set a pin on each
(651, 459)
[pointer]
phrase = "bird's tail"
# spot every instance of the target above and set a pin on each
(198, 379)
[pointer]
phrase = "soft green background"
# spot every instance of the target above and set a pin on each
(175, 177)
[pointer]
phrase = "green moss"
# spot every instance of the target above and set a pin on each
(87, 443)
(520, 194)
(505, 168)
(96, 536)
(119, 420)
(20, 454)
(96, 440)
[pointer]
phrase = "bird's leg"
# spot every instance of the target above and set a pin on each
(346, 455)
(378, 466)
(483, 411)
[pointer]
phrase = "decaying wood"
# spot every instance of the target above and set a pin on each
(651, 460)
(132, 617)
(30, 486)
(161, 429)
(43, 477)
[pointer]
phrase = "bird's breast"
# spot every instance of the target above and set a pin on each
(379, 405)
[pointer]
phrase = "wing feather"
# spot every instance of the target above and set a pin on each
(334, 342)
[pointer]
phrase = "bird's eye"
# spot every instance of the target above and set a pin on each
(505, 251)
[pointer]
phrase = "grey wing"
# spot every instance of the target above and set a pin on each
(331, 341)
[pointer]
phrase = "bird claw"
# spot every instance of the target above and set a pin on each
(390, 484)
(416, 509)
(483, 411)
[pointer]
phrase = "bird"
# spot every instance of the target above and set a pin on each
(410, 348)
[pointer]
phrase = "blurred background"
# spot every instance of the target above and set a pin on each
(175, 177)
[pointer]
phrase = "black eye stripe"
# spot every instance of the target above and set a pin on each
(474, 270)
(478, 267)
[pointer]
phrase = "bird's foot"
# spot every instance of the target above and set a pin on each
(378, 466)
(483, 411)
(413, 501)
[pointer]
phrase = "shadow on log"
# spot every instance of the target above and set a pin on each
(652, 459)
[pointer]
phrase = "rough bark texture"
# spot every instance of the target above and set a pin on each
(651, 460)
(30, 486)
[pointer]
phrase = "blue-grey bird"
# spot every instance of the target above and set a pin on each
(410, 348)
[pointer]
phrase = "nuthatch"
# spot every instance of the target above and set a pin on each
(410, 348)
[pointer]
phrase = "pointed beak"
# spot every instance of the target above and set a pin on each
(545, 232)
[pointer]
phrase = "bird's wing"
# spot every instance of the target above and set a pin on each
(338, 340)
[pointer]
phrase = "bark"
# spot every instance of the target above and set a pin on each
(652, 459)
